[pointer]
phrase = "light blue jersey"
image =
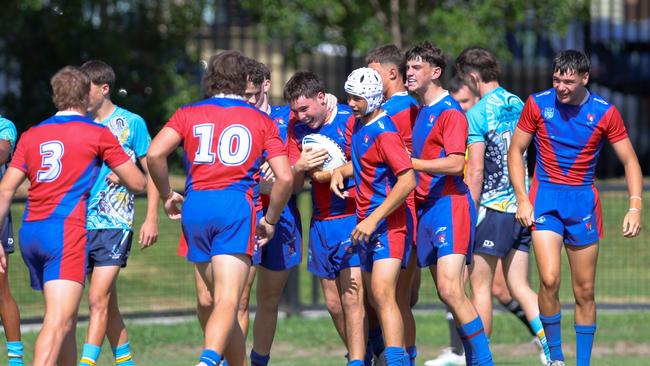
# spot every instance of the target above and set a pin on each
(492, 121)
(8, 133)
(110, 206)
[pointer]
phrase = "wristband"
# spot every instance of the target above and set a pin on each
(634, 209)
(267, 221)
(636, 198)
(168, 195)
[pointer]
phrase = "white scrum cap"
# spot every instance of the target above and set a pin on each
(366, 83)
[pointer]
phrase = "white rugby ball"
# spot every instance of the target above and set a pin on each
(335, 155)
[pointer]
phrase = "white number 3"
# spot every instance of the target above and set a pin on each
(51, 153)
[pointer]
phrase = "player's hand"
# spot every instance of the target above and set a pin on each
(3, 260)
(330, 102)
(113, 178)
(632, 224)
(264, 232)
(363, 231)
(311, 159)
(337, 185)
(267, 172)
(525, 213)
(148, 233)
(172, 205)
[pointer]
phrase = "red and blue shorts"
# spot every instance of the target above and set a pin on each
(393, 238)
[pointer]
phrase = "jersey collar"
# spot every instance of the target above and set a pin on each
(229, 96)
(440, 97)
(68, 113)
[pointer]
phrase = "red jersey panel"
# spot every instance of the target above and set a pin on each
(224, 139)
(61, 157)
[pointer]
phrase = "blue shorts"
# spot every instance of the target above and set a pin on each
(445, 226)
(108, 247)
(7, 235)
(329, 250)
(499, 232)
(284, 251)
(218, 222)
(573, 212)
(392, 239)
(53, 249)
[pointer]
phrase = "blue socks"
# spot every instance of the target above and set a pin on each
(209, 358)
(355, 363)
(15, 353)
(123, 355)
(476, 343)
(553, 330)
(412, 353)
(90, 355)
(538, 328)
(376, 340)
(394, 356)
(259, 360)
(584, 342)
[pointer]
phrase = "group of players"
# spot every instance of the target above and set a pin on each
(402, 202)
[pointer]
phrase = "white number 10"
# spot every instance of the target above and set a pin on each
(233, 149)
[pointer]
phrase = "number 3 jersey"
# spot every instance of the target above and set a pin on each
(61, 157)
(492, 121)
(111, 205)
(223, 140)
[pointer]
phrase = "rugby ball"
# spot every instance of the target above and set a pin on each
(335, 155)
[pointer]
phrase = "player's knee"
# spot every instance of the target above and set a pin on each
(501, 293)
(550, 283)
(98, 303)
(351, 300)
(383, 296)
(450, 293)
(584, 293)
(243, 303)
(333, 306)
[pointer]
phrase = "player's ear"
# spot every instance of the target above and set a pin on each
(585, 78)
(320, 97)
(266, 86)
(106, 90)
(393, 73)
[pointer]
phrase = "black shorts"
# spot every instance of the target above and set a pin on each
(499, 233)
(108, 247)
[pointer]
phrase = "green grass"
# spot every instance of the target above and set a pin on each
(622, 339)
(158, 280)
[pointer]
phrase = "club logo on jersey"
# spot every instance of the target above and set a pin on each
(280, 121)
(366, 138)
(338, 130)
(590, 118)
(431, 119)
(588, 226)
(549, 112)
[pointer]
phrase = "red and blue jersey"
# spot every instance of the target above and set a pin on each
(440, 130)
(224, 139)
(403, 110)
(379, 155)
(61, 157)
(326, 205)
(569, 138)
(281, 115)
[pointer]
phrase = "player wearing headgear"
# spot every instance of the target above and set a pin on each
(9, 312)
(446, 215)
(333, 217)
(383, 179)
(61, 156)
(224, 139)
(492, 122)
(567, 124)
(402, 109)
(110, 219)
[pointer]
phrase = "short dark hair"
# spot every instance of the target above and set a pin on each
(480, 60)
(99, 72)
(255, 71)
(303, 84)
(226, 74)
(456, 83)
(387, 54)
(70, 88)
(427, 52)
(568, 61)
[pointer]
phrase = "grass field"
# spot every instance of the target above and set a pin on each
(622, 339)
(158, 280)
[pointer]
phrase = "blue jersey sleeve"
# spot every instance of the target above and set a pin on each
(477, 125)
(8, 131)
(140, 135)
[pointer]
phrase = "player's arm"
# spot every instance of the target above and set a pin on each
(320, 176)
(475, 170)
(309, 159)
(5, 151)
(634, 178)
(280, 193)
(12, 179)
(451, 164)
(403, 187)
(149, 229)
(161, 147)
(131, 177)
(338, 177)
(517, 171)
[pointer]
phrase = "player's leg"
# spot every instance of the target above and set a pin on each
(352, 301)
(117, 334)
(375, 346)
(203, 296)
(382, 283)
(333, 304)
(243, 316)
(68, 353)
(548, 245)
(582, 260)
(481, 273)
(10, 320)
(404, 293)
(229, 276)
(61, 305)
(270, 285)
